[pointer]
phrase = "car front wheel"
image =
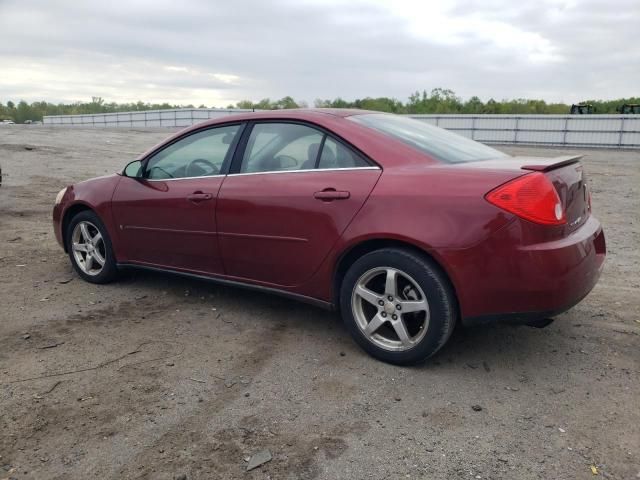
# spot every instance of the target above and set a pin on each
(90, 248)
(398, 305)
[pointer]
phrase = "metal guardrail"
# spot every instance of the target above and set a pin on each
(181, 117)
(607, 131)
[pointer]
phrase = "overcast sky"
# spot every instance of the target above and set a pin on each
(218, 52)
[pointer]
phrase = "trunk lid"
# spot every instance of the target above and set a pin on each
(565, 172)
(571, 184)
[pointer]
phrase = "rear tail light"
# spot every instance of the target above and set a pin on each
(532, 197)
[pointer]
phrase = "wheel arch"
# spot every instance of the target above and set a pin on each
(357, 250)
(68, 214)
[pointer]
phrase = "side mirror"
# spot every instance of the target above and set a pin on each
(133, 169)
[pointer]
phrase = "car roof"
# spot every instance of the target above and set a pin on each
(289, 113)
(319, 116)
(337, 112)
(364, 139)
(312, 115)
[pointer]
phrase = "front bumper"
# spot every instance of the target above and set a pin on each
(57, 224)
(516, 283)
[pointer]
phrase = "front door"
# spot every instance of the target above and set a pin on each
(167, 218)
(295, 192)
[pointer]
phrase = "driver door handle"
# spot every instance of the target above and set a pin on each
(331, 194)
(197, 197)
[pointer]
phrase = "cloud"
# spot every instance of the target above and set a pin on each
(197, 51)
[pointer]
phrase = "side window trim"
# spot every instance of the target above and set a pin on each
(310, 170)
(319, 154)
(226, 163)
(243, 139)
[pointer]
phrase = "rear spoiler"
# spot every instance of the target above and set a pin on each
(544, 165)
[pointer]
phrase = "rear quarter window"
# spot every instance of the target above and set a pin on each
(335, 155)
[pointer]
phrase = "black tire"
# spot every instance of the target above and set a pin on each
(109, 270)
(442, 304)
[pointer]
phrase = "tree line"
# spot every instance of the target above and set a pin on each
(439, 100)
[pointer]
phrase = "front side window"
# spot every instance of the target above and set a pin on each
(274, 147)
(434, 141)
(199, 155)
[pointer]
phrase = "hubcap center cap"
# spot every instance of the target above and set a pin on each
(389, 308)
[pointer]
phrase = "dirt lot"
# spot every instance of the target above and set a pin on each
(158, 377)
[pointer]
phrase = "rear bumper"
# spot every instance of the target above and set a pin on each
(514, 282)
(518, 318)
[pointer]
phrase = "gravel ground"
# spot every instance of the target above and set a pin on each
(158, 377)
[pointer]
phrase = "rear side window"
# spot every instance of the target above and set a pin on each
(434, 141)
(274, 147)
(282, 147)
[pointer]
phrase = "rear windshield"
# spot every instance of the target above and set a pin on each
(434, 141)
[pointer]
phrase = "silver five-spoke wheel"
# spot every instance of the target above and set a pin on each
(88, 248)
(390, 308)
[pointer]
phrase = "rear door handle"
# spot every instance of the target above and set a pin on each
(330, 194)
(197, 197)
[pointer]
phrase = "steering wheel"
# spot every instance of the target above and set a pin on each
(195, 168)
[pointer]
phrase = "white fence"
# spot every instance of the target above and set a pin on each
(182, 117)
(612, 131)
(609, 131)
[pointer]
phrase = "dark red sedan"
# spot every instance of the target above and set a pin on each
(405, 228)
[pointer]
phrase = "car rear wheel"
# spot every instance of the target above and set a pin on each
(90, 248)
(398, 305)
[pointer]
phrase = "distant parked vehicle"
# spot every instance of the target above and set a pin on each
(582, 109)
(7, 122)
(28, 122)
(630, 108)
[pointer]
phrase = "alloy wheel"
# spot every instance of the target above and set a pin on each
(390, 309)
(88, 248)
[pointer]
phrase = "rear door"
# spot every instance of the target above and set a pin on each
(167, 218)
(292, 191)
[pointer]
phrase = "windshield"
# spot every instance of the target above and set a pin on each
(434, 141)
